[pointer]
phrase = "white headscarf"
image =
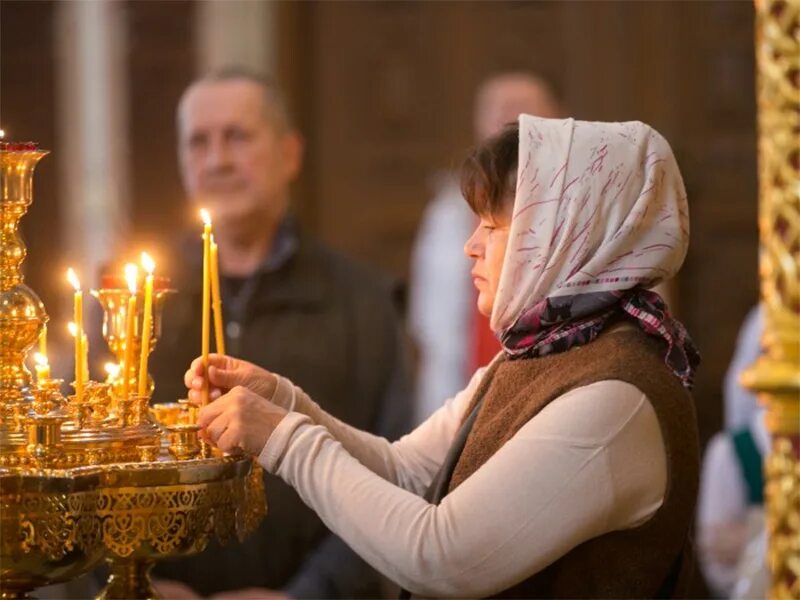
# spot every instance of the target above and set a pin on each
(599, 207)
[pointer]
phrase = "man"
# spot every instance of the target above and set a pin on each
(453, 338)
(290, 305)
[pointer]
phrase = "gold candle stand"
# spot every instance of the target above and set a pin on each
(92, 479)
(776, 375)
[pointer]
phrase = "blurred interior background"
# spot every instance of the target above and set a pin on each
(383, 92)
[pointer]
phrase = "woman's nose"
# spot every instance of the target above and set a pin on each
(473, 248)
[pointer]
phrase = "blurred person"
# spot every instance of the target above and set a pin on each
(739, 403)
(452, 337)
(568, 467)
(730, 516)
(290, 304)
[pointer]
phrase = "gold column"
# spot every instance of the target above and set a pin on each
(776, 376)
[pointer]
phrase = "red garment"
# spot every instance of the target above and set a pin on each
(484, 345)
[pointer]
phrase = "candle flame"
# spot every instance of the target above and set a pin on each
(148, 263)
(2, 133)
(72, 328)
(40, 359)
(131, 272)
(73, 279)
(112, 369)
(204, 214)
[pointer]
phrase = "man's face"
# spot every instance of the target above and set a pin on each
(234, 160)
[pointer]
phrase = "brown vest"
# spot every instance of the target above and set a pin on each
(643, 562)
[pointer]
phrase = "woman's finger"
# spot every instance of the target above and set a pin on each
(230, 439)
(217, 427)
(210, 412)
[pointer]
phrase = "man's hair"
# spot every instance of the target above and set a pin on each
(489, 173)
(276, 108)
(539, 80)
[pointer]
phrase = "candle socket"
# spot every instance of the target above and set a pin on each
(79, 410)
(149, 452)
(99, 397)
(169, 413)
(184, 441)
(140, 409)
(44, 438)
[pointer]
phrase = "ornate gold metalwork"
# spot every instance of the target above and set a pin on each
(783, 491)
(139, 513)
(776, 376)
(90, 478)
(22, 313)
(114, 301)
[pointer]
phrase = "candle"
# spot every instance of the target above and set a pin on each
(43, 341)
(42, 367)
(130, 329)
(85, 357)
(73, 331)
(216, 298)
(147, 324)
(78, 334)
(206, 334)
(112, 369)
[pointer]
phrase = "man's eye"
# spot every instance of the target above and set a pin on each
(196, 142)
(238, 135)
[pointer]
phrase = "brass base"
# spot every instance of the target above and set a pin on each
(130, 578)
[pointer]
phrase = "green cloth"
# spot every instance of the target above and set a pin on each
(752, 465)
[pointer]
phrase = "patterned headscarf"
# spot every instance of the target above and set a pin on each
(599, 216)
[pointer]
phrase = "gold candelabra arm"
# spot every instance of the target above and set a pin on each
(776, 375)
(22, 314)
(16, 170)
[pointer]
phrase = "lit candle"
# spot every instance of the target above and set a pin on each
(42, 367)
(216, 298)
(130, 329)
(206, 333)
(147, 324)
(112, 369)
(78, 334)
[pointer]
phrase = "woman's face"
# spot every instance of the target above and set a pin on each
(487, 247)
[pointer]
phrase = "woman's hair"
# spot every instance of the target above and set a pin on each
(489, 173)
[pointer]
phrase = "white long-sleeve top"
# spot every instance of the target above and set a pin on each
(592, 461)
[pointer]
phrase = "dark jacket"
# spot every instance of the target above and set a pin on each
(329, 325)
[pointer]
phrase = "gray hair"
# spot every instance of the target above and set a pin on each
(276, 108)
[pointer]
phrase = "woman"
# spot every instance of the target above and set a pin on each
(568, 467)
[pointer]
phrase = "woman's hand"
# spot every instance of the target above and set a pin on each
(240, 419)
(224, 374)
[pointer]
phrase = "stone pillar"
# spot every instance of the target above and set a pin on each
(92, 152)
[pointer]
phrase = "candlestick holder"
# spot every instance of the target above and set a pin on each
(22, 314)
(88, 478)
(113, 298)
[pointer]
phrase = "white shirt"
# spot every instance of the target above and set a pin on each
(723, 507)
(592, 461)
